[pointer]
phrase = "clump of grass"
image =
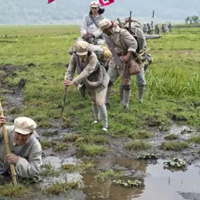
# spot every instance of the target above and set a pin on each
(93, 149)
(141, 134)
(49, 170)
(58, 188)
(47, 133)
(60, 147)
(109, 174)
(2, 75)
(45, 144)
(81, 167)
(137, 145)
(69, 167)
(86, 167)
(174, 145)
(158, 120)
(71, 137)
(10, 190)
(13, 110)
(195, 139)
(171, 137)
(92, 139)
(4, 91)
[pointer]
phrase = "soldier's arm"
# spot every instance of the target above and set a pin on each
(71, 69)
(30, 167)
(84, 26)
(129, 40)
(97, 33)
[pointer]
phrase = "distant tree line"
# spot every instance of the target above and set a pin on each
(192, 20)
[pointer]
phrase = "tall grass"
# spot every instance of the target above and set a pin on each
(173, 82)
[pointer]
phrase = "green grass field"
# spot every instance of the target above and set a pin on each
(172, 90)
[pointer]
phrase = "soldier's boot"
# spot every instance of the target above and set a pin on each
(104, 117)
(108, 96)
(126, 98)
(141, 93)
(121, 93)
(96, 113)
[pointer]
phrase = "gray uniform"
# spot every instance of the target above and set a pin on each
(88, 25)
(123, 42)
(27, 166)
(96, 80)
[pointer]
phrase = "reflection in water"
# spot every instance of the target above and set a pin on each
(165, 184)
(110, 191)
(132, 164)
(107, 190)
(158, 183)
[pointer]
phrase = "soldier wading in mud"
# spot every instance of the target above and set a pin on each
(123, 47)
(93, 75)
(26, 150)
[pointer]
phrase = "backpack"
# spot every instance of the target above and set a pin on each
(138, 34)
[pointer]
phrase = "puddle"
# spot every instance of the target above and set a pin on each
(158, 183)
(183, 132)
(165, 184)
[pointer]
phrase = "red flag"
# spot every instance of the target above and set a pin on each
(50, 1)
(106, 2)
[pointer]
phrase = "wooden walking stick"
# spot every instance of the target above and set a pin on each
(6, 141)
(62, 110)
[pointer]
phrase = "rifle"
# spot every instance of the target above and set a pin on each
(6, 141)
(120, 23)
(129, 23)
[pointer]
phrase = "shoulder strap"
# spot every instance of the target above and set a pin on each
(112, 45)
(92, 18)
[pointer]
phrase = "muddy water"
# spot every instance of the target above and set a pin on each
(164, 184)
(158, 183)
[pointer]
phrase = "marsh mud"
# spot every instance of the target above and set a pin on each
(12, 94)
(157, 182)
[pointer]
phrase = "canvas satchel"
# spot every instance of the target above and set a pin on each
(134, 66)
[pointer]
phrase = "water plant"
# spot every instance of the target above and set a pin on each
(128, 183)
(175, 163)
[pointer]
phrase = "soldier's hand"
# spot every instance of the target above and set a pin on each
(91, 34)
(12, 158)
(68, 82)
(2, 121)
(127, 57)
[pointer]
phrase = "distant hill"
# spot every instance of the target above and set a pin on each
(72, 11)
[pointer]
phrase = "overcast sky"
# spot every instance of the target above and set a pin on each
(69, 11)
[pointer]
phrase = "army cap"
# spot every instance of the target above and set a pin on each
(104, 24)
(82, 48)
(24, 125)
(94, 4)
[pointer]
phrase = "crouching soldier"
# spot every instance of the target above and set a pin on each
(93, 76)
(123, 46)
(26, 150)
